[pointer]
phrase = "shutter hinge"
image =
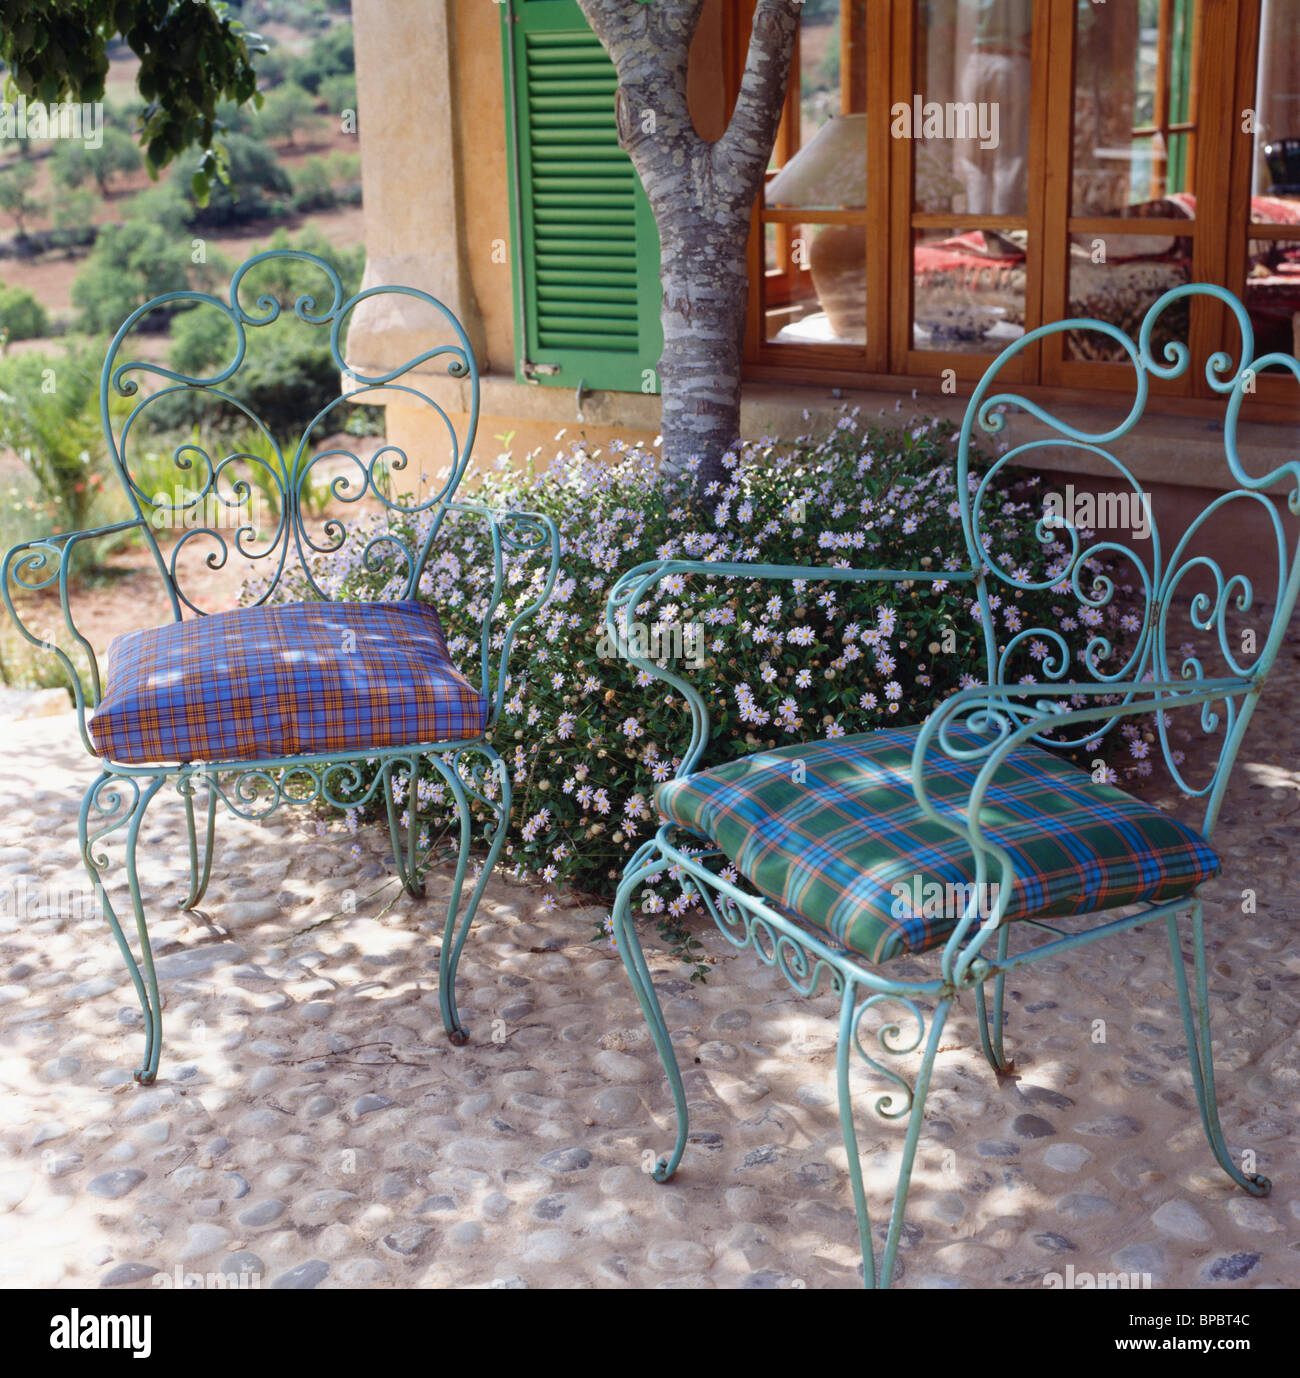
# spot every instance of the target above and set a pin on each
(531, 370)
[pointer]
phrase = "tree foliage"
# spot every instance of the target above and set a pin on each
(193, 55)
(258, 186)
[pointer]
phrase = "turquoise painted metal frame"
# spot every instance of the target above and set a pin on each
(978, 950)
(471, 769)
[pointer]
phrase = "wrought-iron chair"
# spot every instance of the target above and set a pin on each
(288, 701)
(972, 799)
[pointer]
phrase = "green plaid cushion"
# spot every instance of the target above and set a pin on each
(842, 843)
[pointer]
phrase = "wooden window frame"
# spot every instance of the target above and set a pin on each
(1220, 152)
(965, 366)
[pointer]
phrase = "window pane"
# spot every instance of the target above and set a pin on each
(969, 118)
(968, 290)
(1134, 102)
(1115, 279)
(1273, 295)
(816, 284)
(820, 156)
(1275, 189)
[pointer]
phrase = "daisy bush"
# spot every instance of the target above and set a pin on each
(587, 737)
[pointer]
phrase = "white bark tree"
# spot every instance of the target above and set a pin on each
(701, 194)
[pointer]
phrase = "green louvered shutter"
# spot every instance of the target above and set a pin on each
(586, 250)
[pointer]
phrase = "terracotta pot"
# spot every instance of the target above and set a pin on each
(837, 261)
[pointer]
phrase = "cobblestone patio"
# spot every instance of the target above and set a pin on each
(311, 1126)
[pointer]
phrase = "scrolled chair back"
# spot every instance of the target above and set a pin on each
(242, 490)
(1156, 614)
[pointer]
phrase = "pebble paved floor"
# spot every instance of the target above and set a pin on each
(311, 1126)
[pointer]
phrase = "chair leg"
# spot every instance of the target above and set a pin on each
(1196, 1027)
(629, 949)
(110, 795)
(405, 854)
(200, 875)
(991, 1030)
(457, 926)
(851, 1013)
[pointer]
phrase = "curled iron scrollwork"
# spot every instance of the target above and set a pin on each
(1135, 639)
(777, 948)
(890, 1041)
(218, 491)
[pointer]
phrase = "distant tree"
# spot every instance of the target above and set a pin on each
(129, 264)
(289, 375)
(339, 93)
(257, 184)
(272, 68)
(70, 163)
(169, 205)
(74, 163)
(343, 167)
(285, 110)
(73, 211)
(202, 340)
(16, 199)
(239, 119)
(330, 55)
(290, 278)
(119, 155)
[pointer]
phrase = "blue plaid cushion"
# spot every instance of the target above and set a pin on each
(832, 832)
(288, 680)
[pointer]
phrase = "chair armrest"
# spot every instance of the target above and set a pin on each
(632, 586)
(516, 531)
(35, 565)
(1009, 715)
(1020, 712)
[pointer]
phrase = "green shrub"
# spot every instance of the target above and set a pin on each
(49, 415)
(272, 68)
(241, 119)
(312, 187)
(22, 317)
(169, 489)
(587, 738)
(343, 167)
(73, 211)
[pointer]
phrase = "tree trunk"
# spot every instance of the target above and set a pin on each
(703, 272)
(701, 195)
